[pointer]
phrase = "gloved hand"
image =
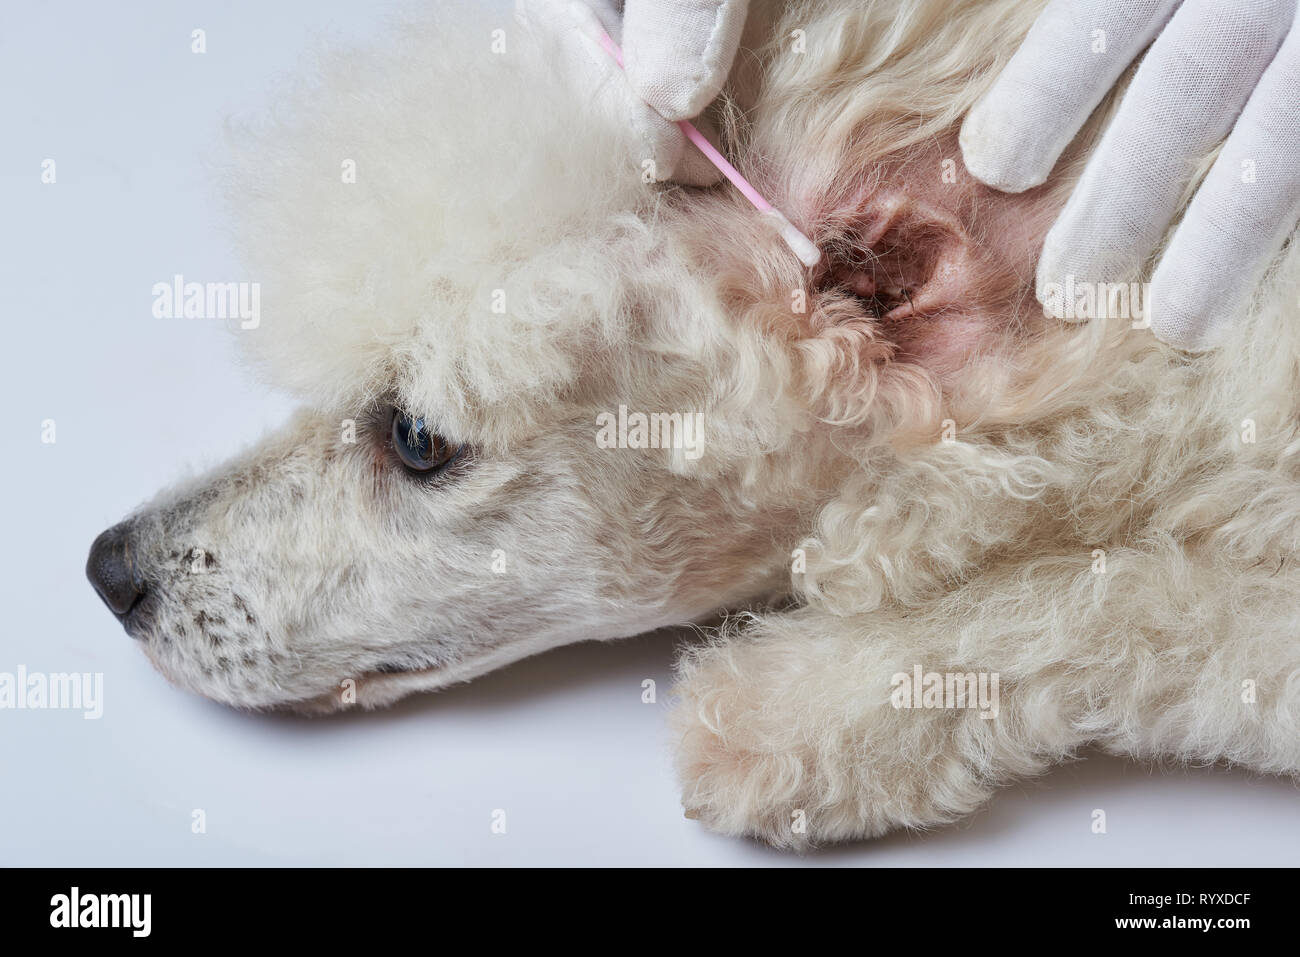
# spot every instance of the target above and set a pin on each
(1217, 68)
(677, 54)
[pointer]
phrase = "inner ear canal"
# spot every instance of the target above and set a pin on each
(900, 260)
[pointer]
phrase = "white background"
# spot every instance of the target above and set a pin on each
(561, 742)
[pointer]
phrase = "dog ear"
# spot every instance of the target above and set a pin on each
(899, 264)
(920, 279)
(912, 292)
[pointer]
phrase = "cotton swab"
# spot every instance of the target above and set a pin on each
(799, 244)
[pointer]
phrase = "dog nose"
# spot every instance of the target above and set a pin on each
(111, 570)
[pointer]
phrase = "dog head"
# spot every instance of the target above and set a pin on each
(547, 401)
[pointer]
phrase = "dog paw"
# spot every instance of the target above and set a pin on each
(784, 741)
(740, 792)
(745, 771)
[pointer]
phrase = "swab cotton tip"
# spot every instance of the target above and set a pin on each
(799, 244)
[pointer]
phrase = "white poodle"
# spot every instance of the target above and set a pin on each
(547, 401)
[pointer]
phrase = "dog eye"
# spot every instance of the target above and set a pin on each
(419, 449)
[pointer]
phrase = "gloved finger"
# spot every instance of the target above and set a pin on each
(1240, 216)
(656, 146)
(1183, 100)
(678, 52)
(1072, 56)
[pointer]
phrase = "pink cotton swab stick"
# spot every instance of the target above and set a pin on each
(799, 244)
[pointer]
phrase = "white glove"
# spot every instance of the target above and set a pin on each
(1217, 68)
(677, 55)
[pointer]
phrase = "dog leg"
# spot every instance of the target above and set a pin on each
(788, 733)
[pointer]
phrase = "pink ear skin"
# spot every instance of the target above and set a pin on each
(945, 268)
(922, 274)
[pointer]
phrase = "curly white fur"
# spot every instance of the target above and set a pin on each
(933, 492)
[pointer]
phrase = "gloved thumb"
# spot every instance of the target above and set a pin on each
(678, 53)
